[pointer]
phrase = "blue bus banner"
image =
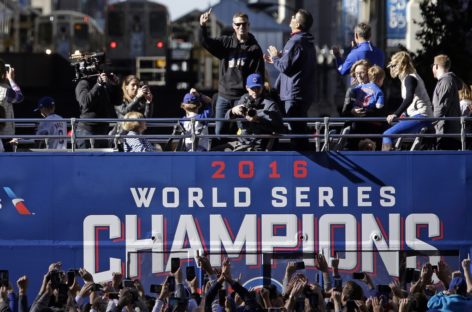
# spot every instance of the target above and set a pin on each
(132, 213)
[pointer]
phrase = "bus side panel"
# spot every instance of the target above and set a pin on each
(98, 210)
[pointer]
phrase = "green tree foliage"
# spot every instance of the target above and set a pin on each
(446, 29)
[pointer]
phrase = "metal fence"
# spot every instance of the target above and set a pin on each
(326, 133)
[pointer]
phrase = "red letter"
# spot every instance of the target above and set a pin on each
(219, 172)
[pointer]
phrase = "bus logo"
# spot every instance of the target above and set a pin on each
(19, 203)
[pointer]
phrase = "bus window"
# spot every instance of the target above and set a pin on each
(116, 22)
(158, 23)
(81, 32)
(45, 33)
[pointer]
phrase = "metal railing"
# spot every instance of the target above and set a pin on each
(326, 131)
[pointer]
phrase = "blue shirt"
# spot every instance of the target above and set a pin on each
(451, 303)
(368, 96)
(364, 50)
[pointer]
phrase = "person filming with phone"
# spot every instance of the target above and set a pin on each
(10, 93)
(137, 97)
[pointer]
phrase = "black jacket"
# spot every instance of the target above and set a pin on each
(238, 61)
(269, 120)
(96, 101)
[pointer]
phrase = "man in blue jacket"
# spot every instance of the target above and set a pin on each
(296, 81)
(362, 49)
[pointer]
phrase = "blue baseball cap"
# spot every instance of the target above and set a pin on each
(45, 102)
(191, 98)
(254, 80)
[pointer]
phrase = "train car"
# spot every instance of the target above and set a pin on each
(64, 32)
(136, 29)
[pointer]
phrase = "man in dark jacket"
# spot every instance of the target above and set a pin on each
(262, 116)
(96, 100)
(446, 102)
(296, 81)
(240, 56)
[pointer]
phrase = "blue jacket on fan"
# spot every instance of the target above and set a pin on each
(364, 50)
(296, 80)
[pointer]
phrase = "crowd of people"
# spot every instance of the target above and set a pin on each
(244, 94)
(75, 290)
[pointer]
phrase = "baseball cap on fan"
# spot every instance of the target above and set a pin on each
(191, 98)
(45, 102)
(254, 81)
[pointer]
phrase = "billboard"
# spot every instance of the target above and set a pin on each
(132, 213)
(396, 22)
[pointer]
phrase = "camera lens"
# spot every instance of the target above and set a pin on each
(251, 112)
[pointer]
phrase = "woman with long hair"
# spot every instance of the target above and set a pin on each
(137, 97)
(416, 102)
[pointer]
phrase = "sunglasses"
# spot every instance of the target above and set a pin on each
(240, 24)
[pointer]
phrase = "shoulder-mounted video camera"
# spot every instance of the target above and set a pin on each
(87, 65)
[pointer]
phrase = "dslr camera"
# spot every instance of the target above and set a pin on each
(250, 106)
(87, 65)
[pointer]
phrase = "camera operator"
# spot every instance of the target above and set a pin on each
(97, 96)
(262, 116)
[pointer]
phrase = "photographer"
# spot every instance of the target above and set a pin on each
(137, 97)
(97, 94)
(262, 117)
(10, 93)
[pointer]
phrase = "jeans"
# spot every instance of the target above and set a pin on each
(86, 143)
(298, 109)
(405, 126)
(221, 107)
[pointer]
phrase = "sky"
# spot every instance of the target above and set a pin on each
(177, 8)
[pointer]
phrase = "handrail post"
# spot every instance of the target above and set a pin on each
(326, 132)
(194, 135)
(72, 137)
(317, 136)
(463, 134)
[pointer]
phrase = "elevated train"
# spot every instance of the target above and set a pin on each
(64, 32)
(138, 30)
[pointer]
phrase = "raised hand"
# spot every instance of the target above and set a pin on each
(22, 284)
(321, 263)
(403, 307)
(86, 276)
(273, 52)
(377, 304)
(205, 17)
(226, 270)
(205, 264)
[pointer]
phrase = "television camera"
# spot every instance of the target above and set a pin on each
(87, 65)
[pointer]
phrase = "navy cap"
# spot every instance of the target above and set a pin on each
(45, 101)
(191, 98)
(254, 80)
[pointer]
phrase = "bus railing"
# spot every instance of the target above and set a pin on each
(324, 132)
